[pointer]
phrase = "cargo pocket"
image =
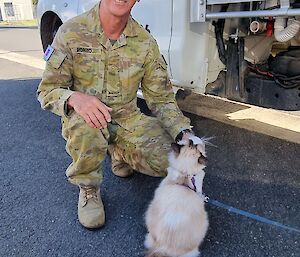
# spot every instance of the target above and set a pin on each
(87, 72)
(161, 67)
(162, 71)
(113, 85)
(162, 63)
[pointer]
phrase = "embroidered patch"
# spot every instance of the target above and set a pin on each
(49, 51)
(84, 50)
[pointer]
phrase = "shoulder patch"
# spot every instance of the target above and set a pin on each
(162, 62)
(49, 51)
(56, 59)
(164, 59)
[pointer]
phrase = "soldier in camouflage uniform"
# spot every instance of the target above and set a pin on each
(94, 68)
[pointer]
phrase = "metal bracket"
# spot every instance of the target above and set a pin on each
(197, 10)
(284, 4)
(213, 2)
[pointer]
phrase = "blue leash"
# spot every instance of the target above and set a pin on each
(249, 215)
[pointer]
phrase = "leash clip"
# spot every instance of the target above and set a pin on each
(206, 198)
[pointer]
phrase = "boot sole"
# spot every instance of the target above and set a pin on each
(92, 228)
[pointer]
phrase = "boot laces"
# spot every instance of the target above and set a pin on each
(89, 193)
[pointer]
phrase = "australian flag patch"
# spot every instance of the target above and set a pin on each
(49, 51)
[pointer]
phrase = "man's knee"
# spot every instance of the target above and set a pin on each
(75, 128)
(82, 140)
(158, 161)
(150, 161)
(87, 147)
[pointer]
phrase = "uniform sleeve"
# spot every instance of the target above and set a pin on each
(55, 87)
(159, 95)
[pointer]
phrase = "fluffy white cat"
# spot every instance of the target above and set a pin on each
(176, 218)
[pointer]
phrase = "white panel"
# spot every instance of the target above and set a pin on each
(68, 8)
(85, 5)
(65, 9)
(157, 14)
(193, 55)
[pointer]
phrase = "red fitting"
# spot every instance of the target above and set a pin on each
(270, 27)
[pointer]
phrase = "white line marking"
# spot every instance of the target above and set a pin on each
(23, 59)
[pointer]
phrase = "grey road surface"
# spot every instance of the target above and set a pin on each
(38, 215)
(25, 44)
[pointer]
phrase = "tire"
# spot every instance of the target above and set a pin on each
(49, 28)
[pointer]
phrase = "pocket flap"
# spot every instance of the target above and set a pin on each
(57, 59)
(162, 63)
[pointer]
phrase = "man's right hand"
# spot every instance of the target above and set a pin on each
(91, 109)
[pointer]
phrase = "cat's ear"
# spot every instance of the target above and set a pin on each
(176, 147)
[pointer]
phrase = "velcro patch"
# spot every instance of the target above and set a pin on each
(49, 51)
(84, 50)
(87, 50)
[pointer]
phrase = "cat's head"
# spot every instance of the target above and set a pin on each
(188, 157)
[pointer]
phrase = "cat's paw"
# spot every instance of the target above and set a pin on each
(148, 241)
(193, 253)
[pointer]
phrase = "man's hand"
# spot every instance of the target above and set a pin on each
(91, 109)
(184, 135)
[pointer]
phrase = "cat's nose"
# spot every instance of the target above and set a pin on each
(202, 160)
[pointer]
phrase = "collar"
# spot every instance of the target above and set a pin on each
(193, 183)
(93, 21)
(130, 30)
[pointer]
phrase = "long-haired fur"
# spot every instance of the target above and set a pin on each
(176, 218)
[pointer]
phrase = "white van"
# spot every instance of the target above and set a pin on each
(226, 58)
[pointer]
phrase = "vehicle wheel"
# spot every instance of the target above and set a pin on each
(49, 28)
(141, 103)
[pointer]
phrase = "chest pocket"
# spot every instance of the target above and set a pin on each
(114, 88)
(88, 71)
(131, 74)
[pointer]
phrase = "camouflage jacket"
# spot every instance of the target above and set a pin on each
(85, 60)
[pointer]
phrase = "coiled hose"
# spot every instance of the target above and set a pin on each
(284, 34)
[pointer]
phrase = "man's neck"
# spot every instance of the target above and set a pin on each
(112, 26)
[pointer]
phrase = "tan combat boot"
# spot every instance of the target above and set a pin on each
(118, 166)
(90, 207)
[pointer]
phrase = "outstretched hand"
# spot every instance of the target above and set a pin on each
(91, 109)
(184, 136)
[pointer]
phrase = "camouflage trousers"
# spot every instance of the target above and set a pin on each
(145, 148)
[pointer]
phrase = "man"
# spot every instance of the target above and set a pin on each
(94, 68)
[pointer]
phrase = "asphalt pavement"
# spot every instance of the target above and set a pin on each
(38, 217)
(38, 214)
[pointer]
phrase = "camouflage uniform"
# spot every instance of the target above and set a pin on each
(85, 60)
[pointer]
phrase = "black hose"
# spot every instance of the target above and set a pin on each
(219, 29)
(287, 82)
